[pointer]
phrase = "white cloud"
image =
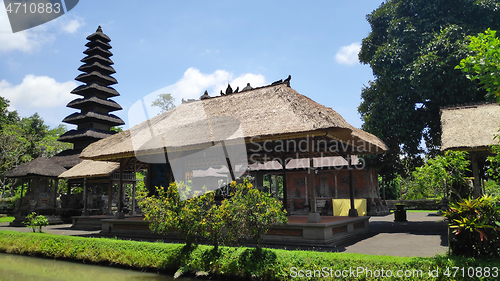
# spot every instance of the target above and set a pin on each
(37, 92)
(70, 23)
(348, 55)
(24, 41)
(30, 39)
(192, 85)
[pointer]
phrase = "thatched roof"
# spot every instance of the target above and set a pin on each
(470, 127)
(40, 166)
(67, 158)
(93, 100)
(77, 118)
(85, 133)
(89, 168)
(266, 112)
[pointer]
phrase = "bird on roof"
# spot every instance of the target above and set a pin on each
(222, 93)
(237, 90)
(287, 80)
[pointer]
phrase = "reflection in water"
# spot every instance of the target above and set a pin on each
(24, 268)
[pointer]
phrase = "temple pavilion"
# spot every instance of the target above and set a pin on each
(472, 128)
(256, 125)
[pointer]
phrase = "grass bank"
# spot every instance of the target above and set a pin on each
(7, 219)
(231, 262)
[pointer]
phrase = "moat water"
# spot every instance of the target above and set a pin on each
(25, 268)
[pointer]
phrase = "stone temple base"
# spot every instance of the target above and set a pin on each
(331, 231)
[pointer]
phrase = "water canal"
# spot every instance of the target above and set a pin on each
(25, 268)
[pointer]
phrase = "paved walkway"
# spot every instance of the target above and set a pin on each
(424, 235)
(59, 229)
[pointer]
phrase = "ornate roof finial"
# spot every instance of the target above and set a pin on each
(247, 88)
(229, 90)
(287, 80)
(205, 96)
(277, 82)
(99, 29)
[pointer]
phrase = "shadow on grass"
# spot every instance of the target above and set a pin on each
(256, 261)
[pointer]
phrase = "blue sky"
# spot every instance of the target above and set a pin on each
(187, 47)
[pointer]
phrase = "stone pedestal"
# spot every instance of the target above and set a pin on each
(400, 213)
(313, 218)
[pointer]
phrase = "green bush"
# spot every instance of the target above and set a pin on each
(251, 212)
(172, 211)
(248, 213)
(476, 224)
(35, 221)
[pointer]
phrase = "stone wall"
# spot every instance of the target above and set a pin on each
(423, 204)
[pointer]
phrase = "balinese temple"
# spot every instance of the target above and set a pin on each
(219, 138)
(95, 182)
(94, 121)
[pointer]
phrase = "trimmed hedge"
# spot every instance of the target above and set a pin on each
(231, 262)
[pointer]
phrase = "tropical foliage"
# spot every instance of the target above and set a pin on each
(443, 175)
(413, 48)
(476, 224)
(252, 212)
(35, 221)
(248, 213)
(483, 62)
(164, 101)
(21, 140)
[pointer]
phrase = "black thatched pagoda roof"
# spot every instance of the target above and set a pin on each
(92, 116)
(88, 101)
(94, 120)
(96, 66)
(92, 89)
(97, 77)
(98, 35)
(98, 43)
(92, 59)
(67, 158)
(40, 166)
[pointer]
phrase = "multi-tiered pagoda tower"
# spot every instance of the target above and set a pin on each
(94, 121)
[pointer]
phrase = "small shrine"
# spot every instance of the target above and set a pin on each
(39, 186)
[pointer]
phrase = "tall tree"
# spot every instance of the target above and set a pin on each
(164, 101)
(21, 139)
(483, 63)
(413, 49)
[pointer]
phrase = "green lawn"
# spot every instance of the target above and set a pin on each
(7, 219)
(239, 262)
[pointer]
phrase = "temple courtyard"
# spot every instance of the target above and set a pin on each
(424, 235)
